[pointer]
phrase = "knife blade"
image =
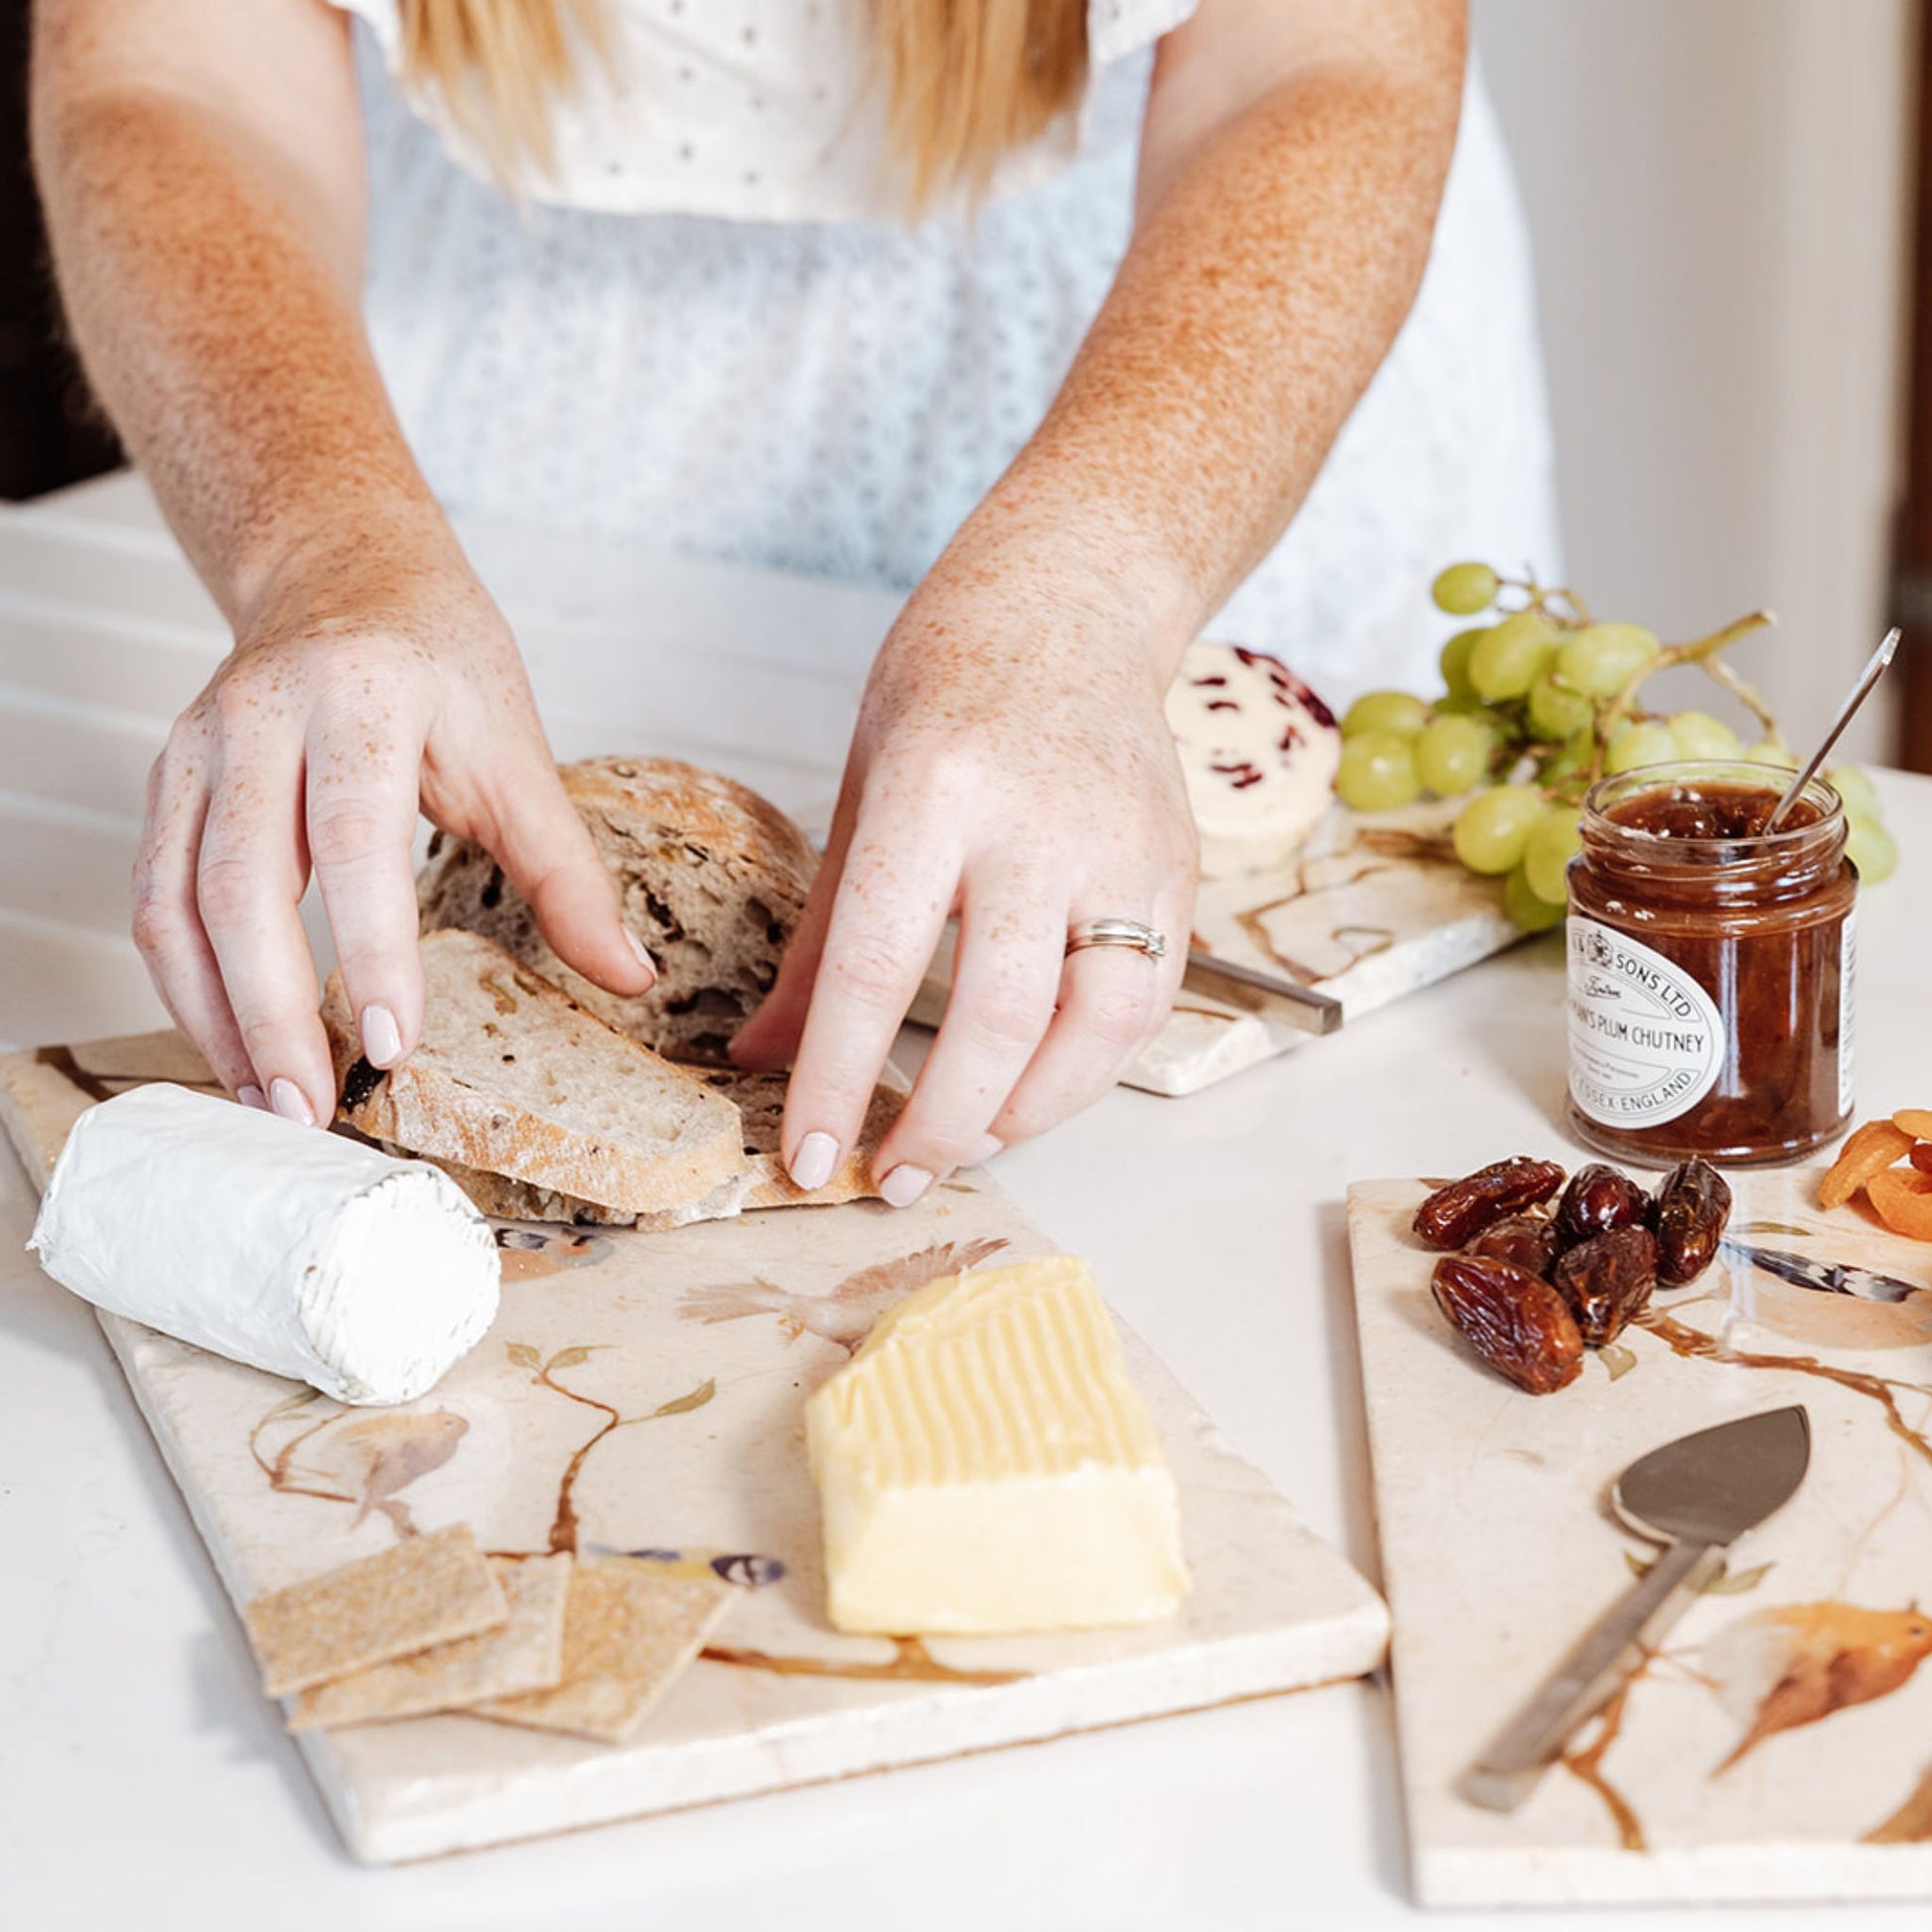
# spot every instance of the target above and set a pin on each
(1827, 1277)
(1696, 1495)
(1254, 991)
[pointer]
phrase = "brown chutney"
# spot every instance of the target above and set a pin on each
(1711, 967)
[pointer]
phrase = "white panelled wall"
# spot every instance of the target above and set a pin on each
(1719, 194)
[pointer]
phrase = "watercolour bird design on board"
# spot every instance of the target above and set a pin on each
(848, 1314)
(1798, 1664)
(373, 1458)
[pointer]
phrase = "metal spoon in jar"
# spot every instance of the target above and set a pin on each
(1876, 668)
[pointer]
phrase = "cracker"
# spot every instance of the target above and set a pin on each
(524, 1654)
(427, 1589)
(629, 1630)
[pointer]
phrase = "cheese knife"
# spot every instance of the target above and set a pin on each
(1695, 1496)
(1254, 991)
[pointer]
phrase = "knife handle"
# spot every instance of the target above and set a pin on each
(1518, 1755)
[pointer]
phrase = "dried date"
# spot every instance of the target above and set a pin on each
(1454, 1215)
(1599, 1199)
(1519, 1324)
(1529, 1241)
(1607, 1280)
(1689, 1215)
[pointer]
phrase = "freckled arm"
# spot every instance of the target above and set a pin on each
(1292, 163)
(201, 169)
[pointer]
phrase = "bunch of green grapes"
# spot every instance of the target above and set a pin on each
(1538, 702)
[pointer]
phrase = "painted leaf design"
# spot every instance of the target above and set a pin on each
(684, 1404)
(1734, 1583)
(1364, 941)
(523, 1354)
(1798, 1664)
(568, 1358)
(1617, 1358)
(1722, 1581)
(1911, 1823)
(1770, 1227)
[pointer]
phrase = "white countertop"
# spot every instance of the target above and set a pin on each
(143, 1780)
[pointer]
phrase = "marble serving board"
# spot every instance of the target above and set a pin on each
(1778, 1745)
(645, 1393)
(1372, 907)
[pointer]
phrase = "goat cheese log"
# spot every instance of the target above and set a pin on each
(309, 1254)
(1260, 752)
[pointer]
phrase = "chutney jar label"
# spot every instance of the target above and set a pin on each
(1646, 1040)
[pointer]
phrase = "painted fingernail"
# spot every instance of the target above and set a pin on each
(642, 952)
(381, 1036)
(291, 1102)
(252, 1097)
(903, 1186)
(988, 1145)
(813, 1162)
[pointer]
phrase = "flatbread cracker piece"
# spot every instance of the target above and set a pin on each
(629, 1630)
(428, 1589)
(524, 1654)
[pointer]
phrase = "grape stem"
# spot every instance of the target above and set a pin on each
(1702, 652)
(1539, 596)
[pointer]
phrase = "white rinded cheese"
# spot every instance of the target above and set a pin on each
(986, 1467)
(306, 1254)
(1260, 752)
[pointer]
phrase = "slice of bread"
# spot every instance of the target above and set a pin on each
(712, 877)
(761, 1099)
(514, 1078)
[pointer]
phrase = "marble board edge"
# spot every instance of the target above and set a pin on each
(1344, 1635)
(1885, 1862)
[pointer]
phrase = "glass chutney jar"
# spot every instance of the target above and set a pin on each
(1710, 968)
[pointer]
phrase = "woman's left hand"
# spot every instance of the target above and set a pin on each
(1012, 765)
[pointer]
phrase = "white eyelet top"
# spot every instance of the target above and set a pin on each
(743, 353)
(765, 110)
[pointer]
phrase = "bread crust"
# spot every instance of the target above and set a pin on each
(711, 877)
(435, 1109)
(764, 1184)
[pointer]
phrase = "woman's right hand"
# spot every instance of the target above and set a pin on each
(365, 683)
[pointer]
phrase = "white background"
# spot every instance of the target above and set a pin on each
(1717, 190)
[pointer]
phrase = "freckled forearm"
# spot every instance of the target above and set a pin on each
(1270, 272)
(217, 319)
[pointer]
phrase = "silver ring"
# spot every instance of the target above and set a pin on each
(1117, 933)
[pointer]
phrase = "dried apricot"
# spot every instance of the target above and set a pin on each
(1903, 1198)
(1922, 1157)
(1915, 1121)
(1873, 1147)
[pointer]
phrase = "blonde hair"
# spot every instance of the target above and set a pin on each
(967, 81)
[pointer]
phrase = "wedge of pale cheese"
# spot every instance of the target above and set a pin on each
(306, 1254)
(1259, 751)
(985, 1466)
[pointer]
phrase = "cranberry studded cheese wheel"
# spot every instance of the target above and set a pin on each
(1259, 751)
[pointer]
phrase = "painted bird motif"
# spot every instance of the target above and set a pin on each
(1797, 1664)
(848, 1314)
(375, 1457)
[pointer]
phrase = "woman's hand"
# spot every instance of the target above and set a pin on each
(363, 683)
(1012, 765)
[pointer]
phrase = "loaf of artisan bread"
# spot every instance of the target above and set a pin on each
(512, 1077)
(761, 1101)
(712, 877)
